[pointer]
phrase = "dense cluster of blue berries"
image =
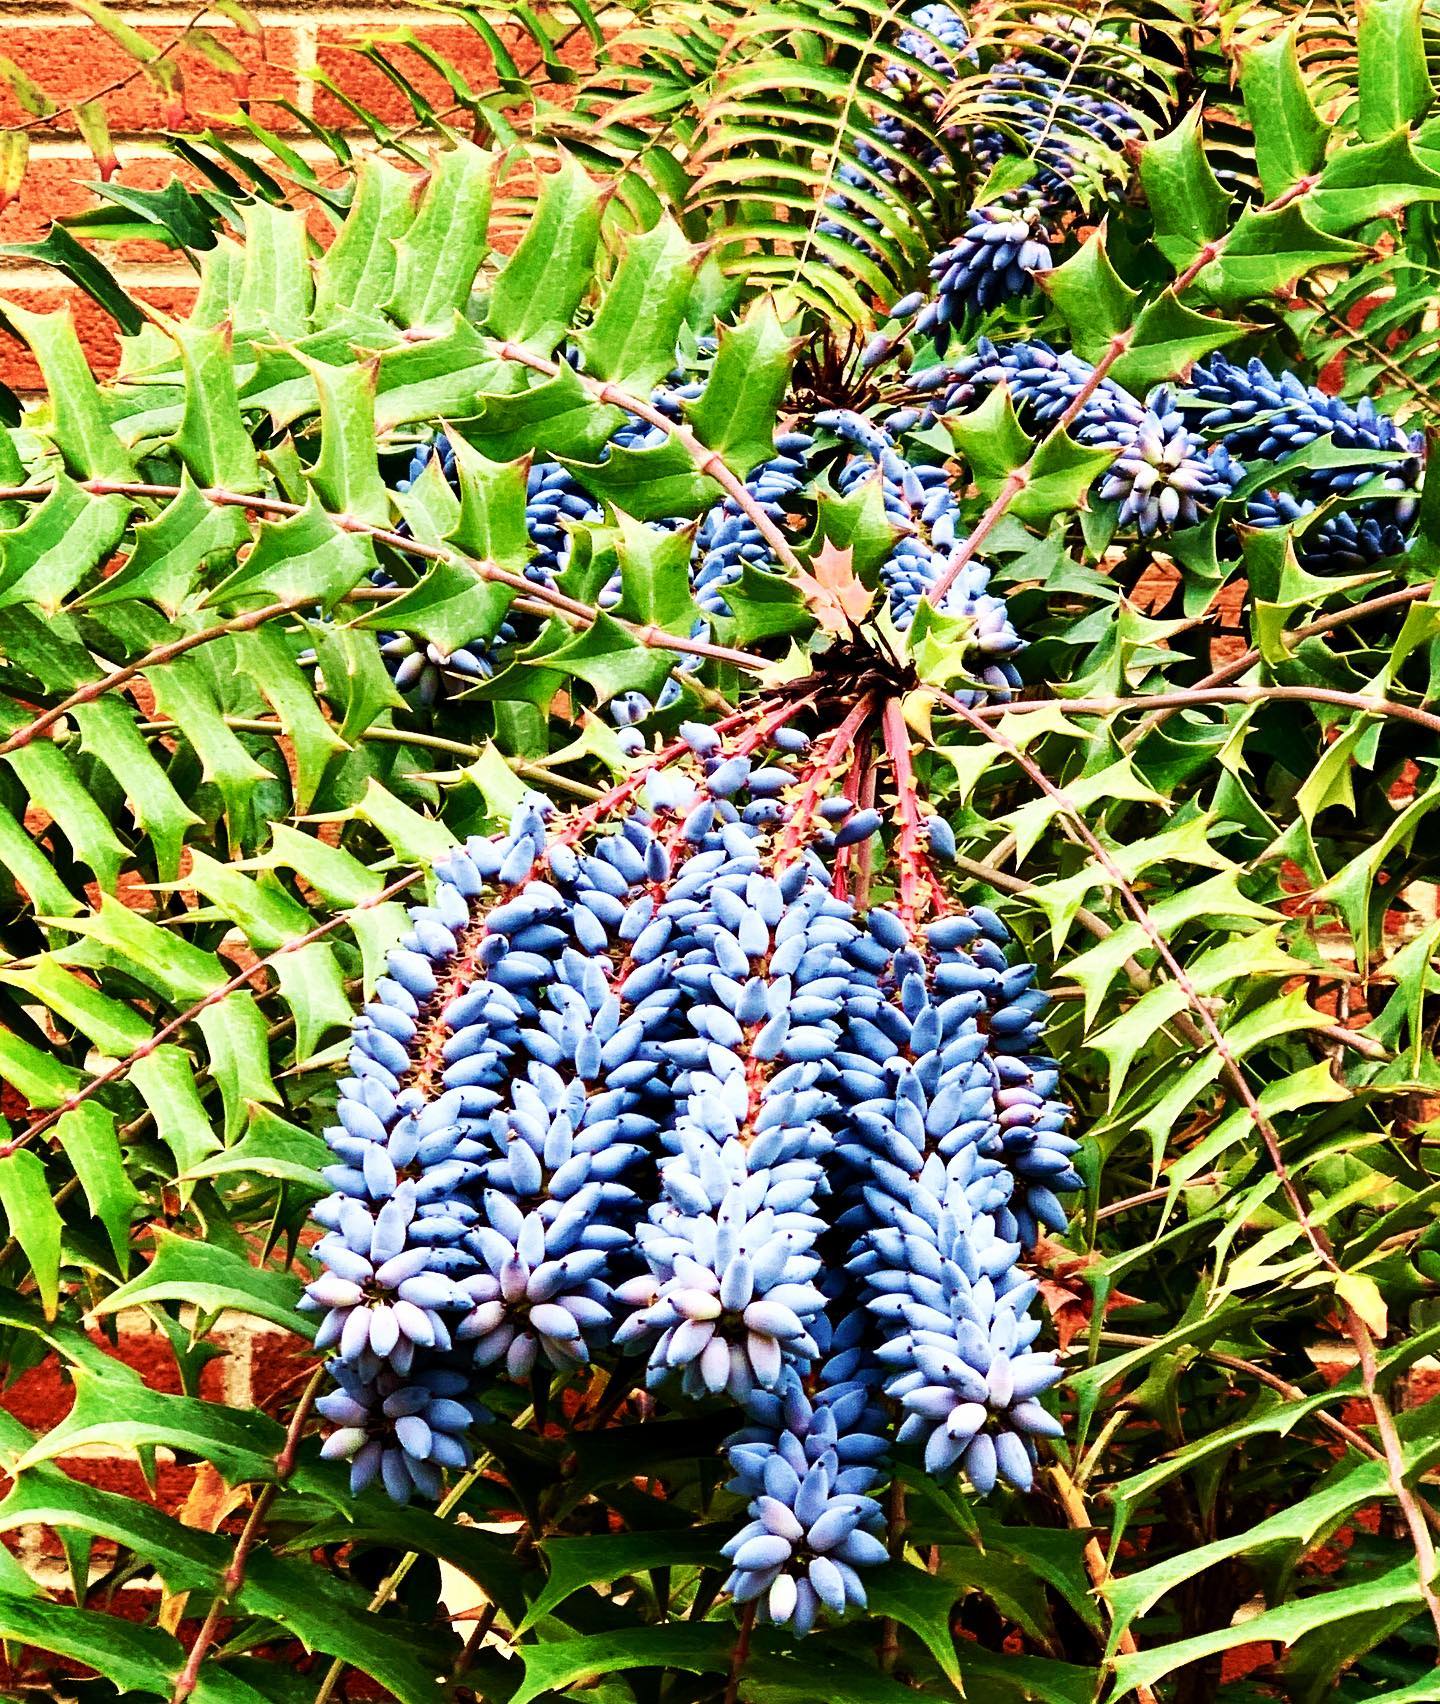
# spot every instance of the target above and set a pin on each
(645, 1082)
(1054, 109)
(1178, 454)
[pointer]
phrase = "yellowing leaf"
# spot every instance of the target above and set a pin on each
(834, 592)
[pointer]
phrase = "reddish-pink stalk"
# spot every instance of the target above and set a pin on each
(822, 772)
(911, 854)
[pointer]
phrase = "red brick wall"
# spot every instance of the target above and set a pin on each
(72, 59)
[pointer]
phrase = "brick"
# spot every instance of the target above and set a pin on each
(72, 59)
(57, 187)
(279, 1365)
(467, 51)
(99, 335)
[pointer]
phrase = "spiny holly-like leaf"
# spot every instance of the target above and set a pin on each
(838, 599)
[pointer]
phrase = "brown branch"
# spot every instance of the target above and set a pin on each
(241, 977)
(1072, 1505)
(1197, 695)
(740, 1655)
(233, 1579)
(1282, 1387)
(1322, 624)
(39, 120)
(1355, 1327)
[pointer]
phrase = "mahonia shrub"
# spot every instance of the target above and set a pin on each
(733, 801)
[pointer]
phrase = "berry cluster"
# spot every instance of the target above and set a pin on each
(648, 1082)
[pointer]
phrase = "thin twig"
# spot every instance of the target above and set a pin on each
(1110, 705)
(740, 1655)
(709, 462)
(39, 120)
(121, 1066)
(233, 1579)
(1072, 1505)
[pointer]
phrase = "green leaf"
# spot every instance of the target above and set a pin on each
(166, 1081)
(535, 297)
(183, 694)
(1266, 251)
(123, 1414)
(235, 1035)
(28, 865)
(92, 1146)
(312, 985)
(1096, 303)
(1370, 180)
(735, 414)
(115, 1028)
(33, 1219)
(1289, 133)
(1168, 338)
(36, 1074)
(74, 416)
(607, 1558)
(133, 1658)
(438, 257)
(608, 659)
(108, 731)
(1186, 201)
(60, 545)
(83, 267)
(1395, 88)
(556, 1666)
(347, 474)
(212, 441)
(631, 340)
(414, 838)
(763, 606)
(175, 968)
(654, 578)
(356, 274)
(169, 552)
(211, 1279)
(271, 1148)
(1284, 1624)
(54, 788)
(267, 658)
(276, 285)
(354, 675)
(922, 1602)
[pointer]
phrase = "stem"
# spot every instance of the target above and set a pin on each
(1291, 1392)
(402, 737)
(151, 659)
(163, 1034)
(822, 772)
(233, 1579)
(1077, 1516)
(1355, 1328)
(911, 855)
(1183, 696)
(1322, 624)
(740, 1655)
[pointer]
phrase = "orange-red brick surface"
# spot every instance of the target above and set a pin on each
(300, 50)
